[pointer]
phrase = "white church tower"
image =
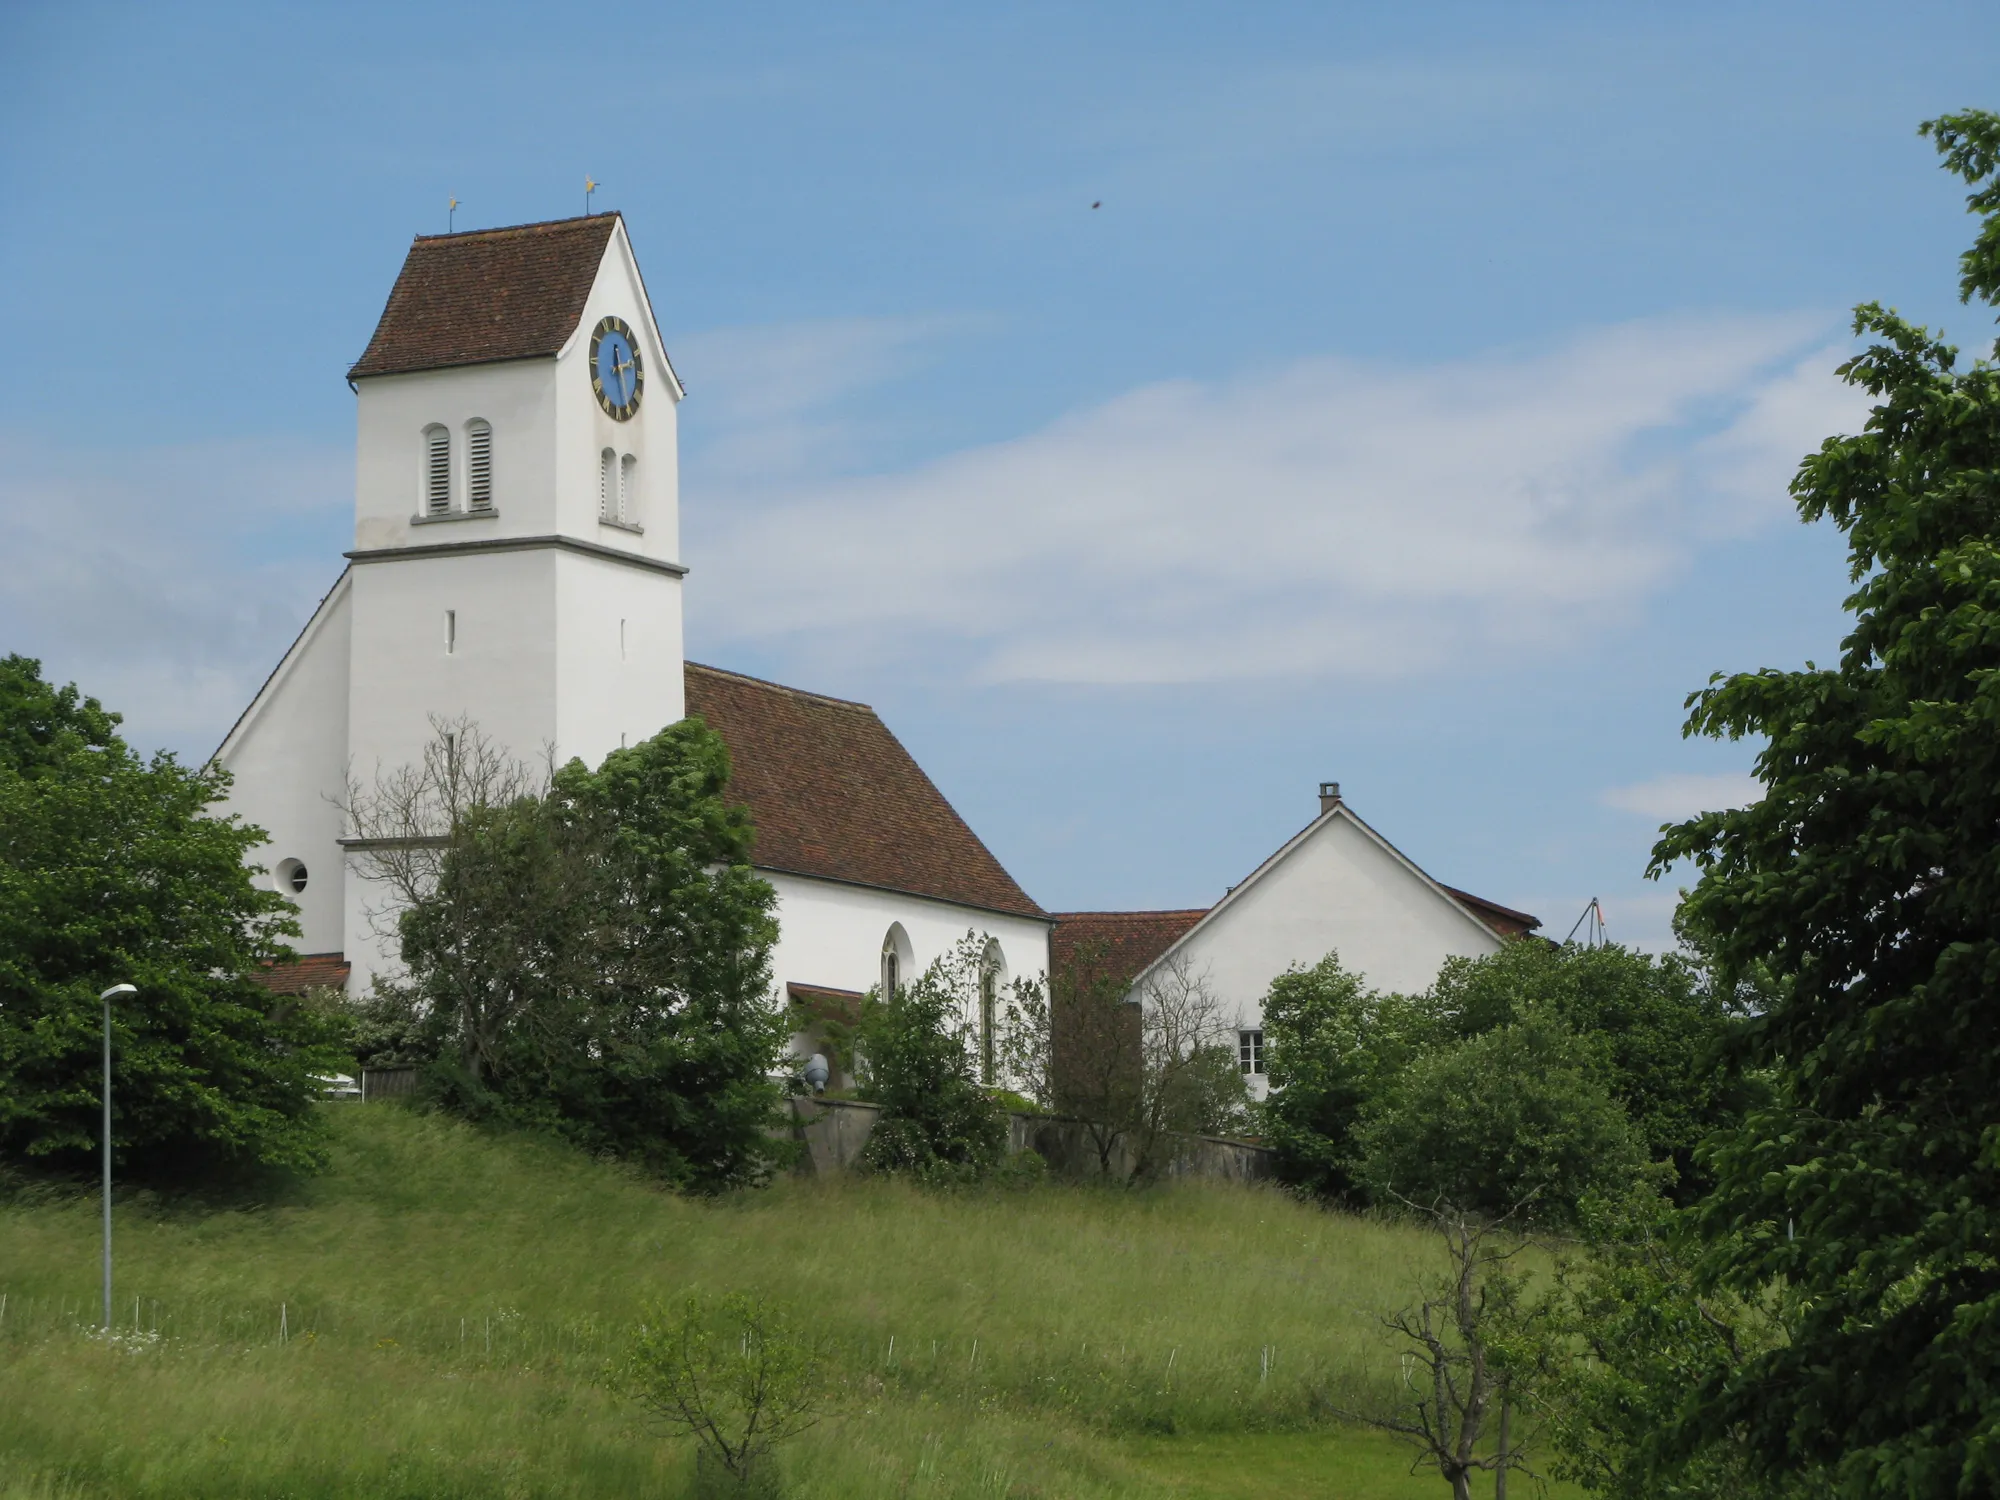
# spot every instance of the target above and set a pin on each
(516, 557)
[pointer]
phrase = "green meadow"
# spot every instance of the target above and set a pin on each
(431, 1318)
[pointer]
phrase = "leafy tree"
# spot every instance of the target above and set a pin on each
(1867, 878)
(1656, 1024)
(590, 958)
(1331, 1045)
(922, 1068)
(112, 869)
(1513, 1119)
(738, 1375)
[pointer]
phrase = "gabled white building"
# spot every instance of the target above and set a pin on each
(1335, 886)
(516, 562)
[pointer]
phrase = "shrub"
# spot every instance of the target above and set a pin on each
(937, 1122)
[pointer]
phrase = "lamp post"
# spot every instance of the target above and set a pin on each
(116, 992)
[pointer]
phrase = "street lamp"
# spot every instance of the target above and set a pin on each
(116, 992)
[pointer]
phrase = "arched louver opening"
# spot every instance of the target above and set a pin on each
(607, 482)
(478, 465)
(628, 489)
(437, 471)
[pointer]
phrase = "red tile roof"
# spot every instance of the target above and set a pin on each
(309, 971)
(486, 295)
(1121, 942)
(1504, 920)
(835, 795)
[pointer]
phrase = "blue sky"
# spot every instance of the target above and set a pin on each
(1415, 411)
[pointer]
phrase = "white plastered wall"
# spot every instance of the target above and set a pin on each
(830, 934)
(1338, 888)
(618, 655)
(288, 756)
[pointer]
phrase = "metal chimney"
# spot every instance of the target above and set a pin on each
(1329, 796)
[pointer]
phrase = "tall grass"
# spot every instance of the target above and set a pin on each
(431, 1317)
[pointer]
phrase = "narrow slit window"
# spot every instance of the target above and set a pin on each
(607, 485)
(628, 489)
(437, 471)
(451, 632)
(478, 465)
(621, 641)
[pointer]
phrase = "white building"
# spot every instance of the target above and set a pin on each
(1336, 886)
(516, 563)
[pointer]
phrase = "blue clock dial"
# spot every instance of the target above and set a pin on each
(616, 374)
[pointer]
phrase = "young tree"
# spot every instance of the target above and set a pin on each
(113, 869)
(1467, 1346)
(1866, 879)
(1096, 1048)
(738, 1376)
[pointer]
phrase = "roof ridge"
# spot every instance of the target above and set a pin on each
(796, 692)
(1150, 911)
(496, 230)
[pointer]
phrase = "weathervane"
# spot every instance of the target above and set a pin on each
(589, 187)
(450, 216)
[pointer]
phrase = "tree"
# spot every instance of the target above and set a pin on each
(113, 869)
(1516, 1116)
(590, 957)
(922, 1067)
(738, 1376)
(1866, 880)
(1467, 1348)
(1096, 1048)
(1656, 1023)
(1331, 1045)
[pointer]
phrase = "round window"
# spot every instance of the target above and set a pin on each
(291, 876)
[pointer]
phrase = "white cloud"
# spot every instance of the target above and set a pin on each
(1328, 518)
(167, 582)
(1679, 795)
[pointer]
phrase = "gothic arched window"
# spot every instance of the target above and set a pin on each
(437, 471)
(628, 489)
(607, 485)
(897, 960)
(992, 975)
(479, 464)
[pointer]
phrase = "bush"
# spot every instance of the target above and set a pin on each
(113, 869)
(1516, 1116)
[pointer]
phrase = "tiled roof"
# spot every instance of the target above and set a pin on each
(486, 295)
(1504, 920)
(1123, 942)
(309, 971)
(835, 795)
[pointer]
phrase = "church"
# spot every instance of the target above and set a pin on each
(516, 565)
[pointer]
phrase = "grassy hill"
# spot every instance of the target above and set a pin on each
(429, 1319)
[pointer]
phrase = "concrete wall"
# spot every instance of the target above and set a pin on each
(833, 1131)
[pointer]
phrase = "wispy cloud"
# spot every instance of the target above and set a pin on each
(1329, 518)
(167, 582)
(1679, 795)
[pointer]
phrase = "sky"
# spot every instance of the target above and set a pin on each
(1153, 410)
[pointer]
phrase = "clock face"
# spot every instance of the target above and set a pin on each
(615, 373)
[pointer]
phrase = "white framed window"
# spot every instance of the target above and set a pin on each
(607, 485)
(437, 471)
(1250, 1051)
(897, 960)
(479, 464)
(628, 489)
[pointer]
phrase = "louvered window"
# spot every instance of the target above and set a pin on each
(437, 471)
(478, 465)
(628, 489)
(607, 485)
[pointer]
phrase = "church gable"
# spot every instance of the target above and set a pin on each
(835, 795)
(487, 295)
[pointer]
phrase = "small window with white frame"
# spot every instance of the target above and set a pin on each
(1250, 1051)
